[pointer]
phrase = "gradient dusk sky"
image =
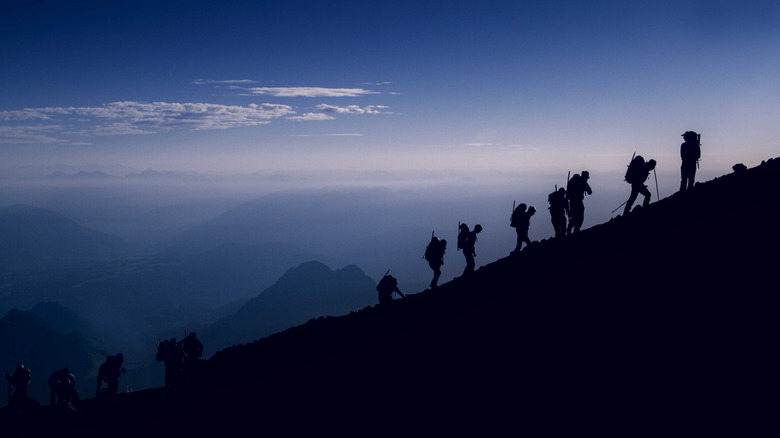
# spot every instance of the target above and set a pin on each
(435, 86)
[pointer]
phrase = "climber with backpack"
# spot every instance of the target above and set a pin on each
(386, 287)
(466, 241)
(636, 175)
(559, 209)
(521, 221)
(576, 189)
(690, 152)
(434, 255)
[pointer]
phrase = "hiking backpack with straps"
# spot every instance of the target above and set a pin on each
(636, 174)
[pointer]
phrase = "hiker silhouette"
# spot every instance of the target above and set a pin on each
(171, 353)
(466, 241)
(559, 209)
(690, 152)
(636, 175)
(19, 380)
(193, 348)
(62, 387)
(18, 400)
(109, 371)
(434, 255)
(576, 188)
(521, 222)
(386, 287)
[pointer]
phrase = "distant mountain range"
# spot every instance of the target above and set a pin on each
(661, 320)
(307, 291)
(31, 236)
(58, 175)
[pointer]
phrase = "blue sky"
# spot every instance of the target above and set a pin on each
(456, 87)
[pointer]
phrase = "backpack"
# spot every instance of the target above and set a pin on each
(387, 284)
(463, 236)
(636, 174)
(574, 185)
(517, 216)
(433, 250)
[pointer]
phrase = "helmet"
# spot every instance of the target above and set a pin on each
(651, 164)
(477, 228)
(522, 207)
(690, 136)
(532, 209)
(585, 174)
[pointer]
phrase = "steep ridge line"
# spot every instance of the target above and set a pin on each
(656, 318)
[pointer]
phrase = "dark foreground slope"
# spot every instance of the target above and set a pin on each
(662, 321)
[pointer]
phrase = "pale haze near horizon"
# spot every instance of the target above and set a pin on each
(499, 99)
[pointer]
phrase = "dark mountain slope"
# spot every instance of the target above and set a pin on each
(660, 322)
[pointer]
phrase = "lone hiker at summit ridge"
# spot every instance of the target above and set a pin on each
(521, 222)
(690, 152)
(576, 189)
(434, 255)
(636, 175)
(466, 241)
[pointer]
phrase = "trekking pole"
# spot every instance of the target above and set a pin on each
(624, 203)
(698, 140)
(656, 185)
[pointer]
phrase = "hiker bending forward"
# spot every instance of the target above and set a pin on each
(521, 221)
(466, 241)
(636, 175)
(386, 287)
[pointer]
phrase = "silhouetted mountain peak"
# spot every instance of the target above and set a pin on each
(64, 320)
(307, 291)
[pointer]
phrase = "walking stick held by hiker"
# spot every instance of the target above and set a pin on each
(698, 139)
(656, 185)
(618, 207)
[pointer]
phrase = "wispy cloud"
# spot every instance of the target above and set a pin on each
(312, 117)
(310, 91)
(242, 88)
(24, 134)
(352, 109)
(121, 118)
